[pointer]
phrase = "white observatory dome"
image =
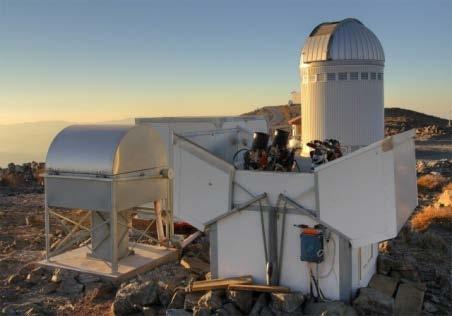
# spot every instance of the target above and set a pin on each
(341, 68)
(348, 39)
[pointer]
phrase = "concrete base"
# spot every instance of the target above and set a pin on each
(146, 257)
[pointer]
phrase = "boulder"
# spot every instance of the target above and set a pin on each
(70, 287)
(403, 267)
(132, 297)
(384, 284)
(384, 264)
(335, 308)
(212, 300)
(373, 302)
(228, 309)
(14, 279)
(201, 311)
(177, 301)
(86, 278)
(149, 311)
(261, 302)
(49, 287)
(243, 300)
(191, 300)
(286, 302)
(36, 275)
(409, 300)
(266, 311)
(100, 290)
(165, 293)
(32, 307)
(177, 312)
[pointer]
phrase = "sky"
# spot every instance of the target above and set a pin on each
(100, 60)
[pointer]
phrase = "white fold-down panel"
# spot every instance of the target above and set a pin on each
(369, 194)
(202, 185)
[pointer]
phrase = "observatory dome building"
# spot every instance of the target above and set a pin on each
(341, 69)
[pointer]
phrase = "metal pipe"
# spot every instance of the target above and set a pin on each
(236, 209)
(69, 220)
(74, 229)
(113, 231)
(46, 224)
(311, 214)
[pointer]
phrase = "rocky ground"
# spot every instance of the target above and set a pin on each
(414, 270)
(414, 267)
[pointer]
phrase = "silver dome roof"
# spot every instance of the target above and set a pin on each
(348, 39)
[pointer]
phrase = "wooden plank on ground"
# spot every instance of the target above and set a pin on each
(216, 284)
(242, 277)
(259, 288)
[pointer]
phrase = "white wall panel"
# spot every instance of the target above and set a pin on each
(298, 186)
(202, 184)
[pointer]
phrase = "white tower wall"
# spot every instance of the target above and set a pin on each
(350, 110)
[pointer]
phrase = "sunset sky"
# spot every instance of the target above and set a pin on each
(99, 60)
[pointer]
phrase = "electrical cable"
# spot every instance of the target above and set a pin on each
(236, 153)
(332, 261)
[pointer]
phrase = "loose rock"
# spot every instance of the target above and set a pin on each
(259, 305)
(409, 300)
(85, 278)
(373, 302)
(384, 284)
(132, 297)
(14, 279)
(335, 308)
(212, 300)
(69, 286)
(164, 293)
(36, 275)
(149, 311)
(191, 300)
(177, 312)
(286, 302)
(177, 301)
(243, 300)
(201, 311)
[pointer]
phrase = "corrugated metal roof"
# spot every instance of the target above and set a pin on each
(348, 39)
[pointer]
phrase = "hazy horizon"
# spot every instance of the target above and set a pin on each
(65, 62)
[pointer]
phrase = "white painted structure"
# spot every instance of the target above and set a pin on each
(363, 198)
(341, 68)
(222, 136)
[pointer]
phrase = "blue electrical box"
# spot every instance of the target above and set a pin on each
(311, 242)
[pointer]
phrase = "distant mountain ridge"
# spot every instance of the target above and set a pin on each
(278, 115)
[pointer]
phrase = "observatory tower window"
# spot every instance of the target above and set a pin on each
(331, 76)
(353, 76)
(364, 76)
(321, 77)
(380, 76)
(342, 76)
(305, 79)
(373, 75)
(312, 78)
